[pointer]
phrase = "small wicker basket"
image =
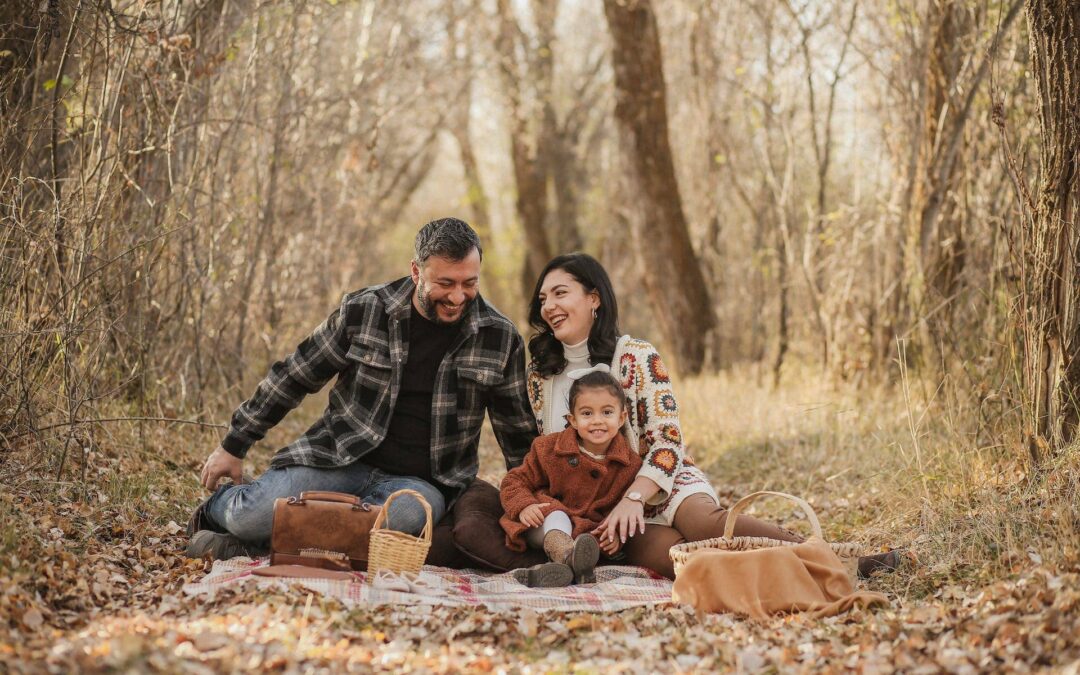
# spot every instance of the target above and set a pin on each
(848, 552)
(398, 551)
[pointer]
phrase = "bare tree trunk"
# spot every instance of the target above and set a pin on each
(283, 119)
(784, 310)
(706, 67)
(479, 203)
(926, 242)
(672, 275)
(814, 248)
(553, 149)
(571, 141)
(945, 26)
(776, 191)
(935, 239)
(566, 179)
(1051, 318)
(459, 121)
(940, 225)
(889, 316)
(529, 168)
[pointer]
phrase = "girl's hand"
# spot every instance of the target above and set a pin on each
(533, 515)
(625, 520)
(610, 546)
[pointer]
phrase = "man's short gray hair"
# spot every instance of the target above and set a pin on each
(447, 238)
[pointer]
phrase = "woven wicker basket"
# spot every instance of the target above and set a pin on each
(848, 552)
(398, 551)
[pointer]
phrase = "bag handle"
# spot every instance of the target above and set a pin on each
(737, 508)
(380, 519)
(323, 496)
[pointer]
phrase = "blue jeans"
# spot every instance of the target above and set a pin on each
(247, 511)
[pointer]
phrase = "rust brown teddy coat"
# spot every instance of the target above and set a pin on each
(556, 471)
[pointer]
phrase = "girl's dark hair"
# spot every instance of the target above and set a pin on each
(546, 352)
(597, 380)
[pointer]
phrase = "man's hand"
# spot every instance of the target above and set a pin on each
(221, 463)
(533, 515)
(625, 520)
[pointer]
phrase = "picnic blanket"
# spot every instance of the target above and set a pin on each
(616, 588)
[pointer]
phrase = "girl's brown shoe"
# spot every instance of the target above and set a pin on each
(545, 575)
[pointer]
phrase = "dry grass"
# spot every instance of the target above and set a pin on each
(889, 470)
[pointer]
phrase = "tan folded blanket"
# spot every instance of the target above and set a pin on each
(303, 572)
(807, 577)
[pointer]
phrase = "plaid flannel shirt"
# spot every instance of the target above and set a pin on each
(365, 344)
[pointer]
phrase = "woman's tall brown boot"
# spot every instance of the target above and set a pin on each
(581, 554)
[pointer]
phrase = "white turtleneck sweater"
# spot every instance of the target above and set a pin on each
(577, 356)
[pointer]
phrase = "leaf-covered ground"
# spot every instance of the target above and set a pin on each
(91, 569)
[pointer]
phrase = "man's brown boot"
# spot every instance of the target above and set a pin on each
(580, 554)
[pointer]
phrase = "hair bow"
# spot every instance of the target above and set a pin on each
(582, 372)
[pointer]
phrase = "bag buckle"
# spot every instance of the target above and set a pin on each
(335, 556)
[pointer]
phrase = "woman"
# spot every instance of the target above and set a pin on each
(574, 312)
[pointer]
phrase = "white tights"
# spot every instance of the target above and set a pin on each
(556, 520)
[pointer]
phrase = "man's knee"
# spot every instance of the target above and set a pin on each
(247, 515)
(406, 514)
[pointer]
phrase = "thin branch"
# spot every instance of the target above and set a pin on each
(102, 420)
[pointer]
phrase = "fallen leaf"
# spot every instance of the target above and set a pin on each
(33, 619)
(208, 642)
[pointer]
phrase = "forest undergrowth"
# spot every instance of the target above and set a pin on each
(91, 561)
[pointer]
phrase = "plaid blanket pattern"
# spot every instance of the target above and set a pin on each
(616, 588)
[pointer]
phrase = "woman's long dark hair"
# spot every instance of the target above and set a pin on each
(545, 349)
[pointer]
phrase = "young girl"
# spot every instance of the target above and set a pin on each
(570, 480)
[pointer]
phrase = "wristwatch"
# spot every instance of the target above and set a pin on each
(634, 497)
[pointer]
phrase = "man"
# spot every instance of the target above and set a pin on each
(417, 361)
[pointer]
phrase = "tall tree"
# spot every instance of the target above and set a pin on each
(935, 251)
(459, 52)
(1051, 316)
(546, 143)
(527, 128)
(815, 236)
(673, 278)
(936, 236)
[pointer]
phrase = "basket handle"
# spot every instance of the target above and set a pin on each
(737, 508)
(380, 519)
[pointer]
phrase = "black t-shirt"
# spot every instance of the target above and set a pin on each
(406, 450)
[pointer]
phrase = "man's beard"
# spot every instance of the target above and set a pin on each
(430, 308)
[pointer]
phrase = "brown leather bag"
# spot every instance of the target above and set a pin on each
(328, 530)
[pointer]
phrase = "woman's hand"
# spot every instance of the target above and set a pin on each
(625, 520)
(533, 515)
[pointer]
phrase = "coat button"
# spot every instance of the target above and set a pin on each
(573, 461)
(595, 473)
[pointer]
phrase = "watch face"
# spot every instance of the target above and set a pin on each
(634, 496)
